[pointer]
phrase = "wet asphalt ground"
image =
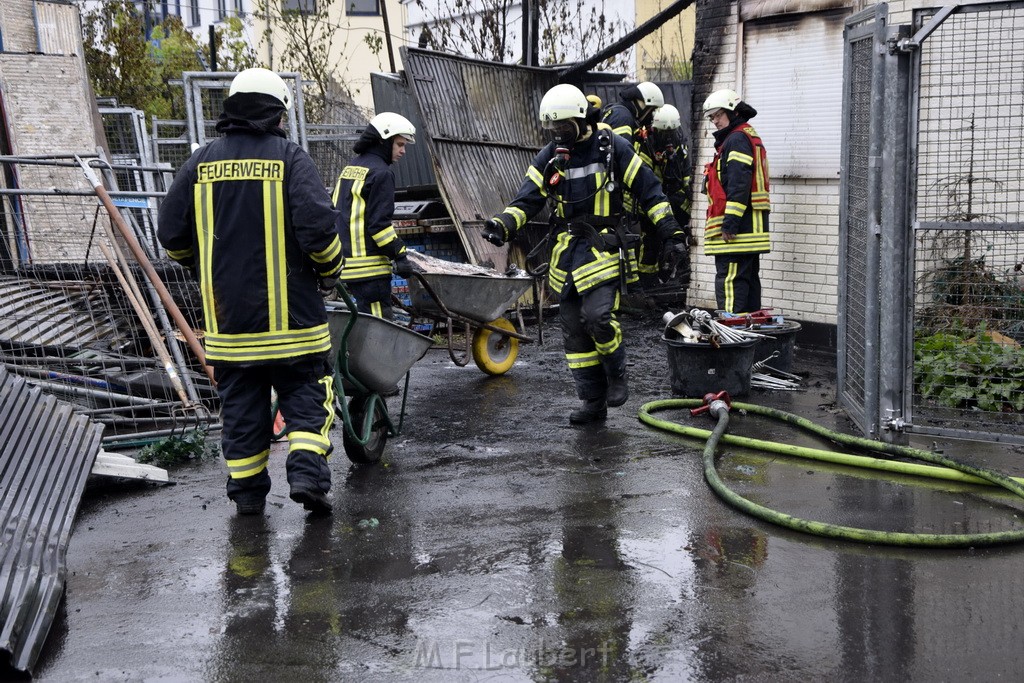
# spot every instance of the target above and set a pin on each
(496, 542)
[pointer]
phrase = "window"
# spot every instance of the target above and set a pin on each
(300, 6)
(222, 9)
(364, 7)
(194, 13)
(239, 10)
(793, 77)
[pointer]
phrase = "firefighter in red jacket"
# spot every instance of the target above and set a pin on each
(736, 182)
(582, 175)
(365, 197)
(249, 215)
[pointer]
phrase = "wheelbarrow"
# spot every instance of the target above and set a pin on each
(478, 302)
(370, 355)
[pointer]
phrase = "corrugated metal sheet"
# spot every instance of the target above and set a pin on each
(46, 453)
(57, 28)
(390, 93)
(480, 124)
(38, 314)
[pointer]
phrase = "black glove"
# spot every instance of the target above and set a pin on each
(495, 232)
(327, 285)
(672, 257)
(403, 267)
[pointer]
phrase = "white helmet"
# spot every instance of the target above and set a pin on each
(390, 124)
(666, 117)
(721, 99)
(563, 102)
(262, 81)
(650, 94)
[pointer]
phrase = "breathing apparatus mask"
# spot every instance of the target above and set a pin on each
(663, 143)
(563, 133)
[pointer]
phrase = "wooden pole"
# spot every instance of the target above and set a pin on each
(147, 323)
(148, 269)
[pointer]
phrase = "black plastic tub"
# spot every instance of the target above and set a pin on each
(781, 339)
(698, 369)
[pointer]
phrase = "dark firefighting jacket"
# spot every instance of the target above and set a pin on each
(588, 187)
(673, 170)
(250, 215)
(736, 182)
(365, 197)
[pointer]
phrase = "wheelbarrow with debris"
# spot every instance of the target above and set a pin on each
(371, 356)
(476, 298)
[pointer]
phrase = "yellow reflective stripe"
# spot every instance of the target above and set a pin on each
(735, 209)
(740, 157)
(517, 215)
(274, 254)
(357, 220)
(329, 253)
(635, 164)
(267, 345)
(203, 195)
(582, 360)
(730, 286)
(659, 211)
(240, 468)
(308, 441)
(625, 131)
(365, 267)
(376, 309)
(180, 255)
(743, 244)
(609, 347)
(385, 236)
(536, 176)
(605, 268)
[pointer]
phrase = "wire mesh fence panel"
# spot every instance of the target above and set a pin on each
(80, 319)
(968, 371)
(330, 147)
(171, 144)
(858, 262)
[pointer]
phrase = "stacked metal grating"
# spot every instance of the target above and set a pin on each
(46, 455)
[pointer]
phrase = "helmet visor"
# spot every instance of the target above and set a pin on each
(561, 132)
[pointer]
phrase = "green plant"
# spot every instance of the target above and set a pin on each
(970, 373)
(175, 450)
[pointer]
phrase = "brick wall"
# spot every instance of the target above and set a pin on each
(800, 275)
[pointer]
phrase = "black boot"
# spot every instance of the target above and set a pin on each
(618, 389)
(592, 410)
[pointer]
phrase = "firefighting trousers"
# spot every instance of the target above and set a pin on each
(372, 296)
(738, 282)
(592, 338)
(305, 398)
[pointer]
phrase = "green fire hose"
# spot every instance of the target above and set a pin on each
(941, 467)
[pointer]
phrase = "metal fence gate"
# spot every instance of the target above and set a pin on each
(931, 224)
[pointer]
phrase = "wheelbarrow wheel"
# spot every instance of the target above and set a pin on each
(373, 449)
(493, 352)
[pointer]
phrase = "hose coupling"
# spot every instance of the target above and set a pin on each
(714, 403)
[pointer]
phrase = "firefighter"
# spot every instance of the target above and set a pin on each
(671, 159)
(736, 183)
(582, 174)
(365, 198)
(633, 113)
(630, 118)
(249, 215)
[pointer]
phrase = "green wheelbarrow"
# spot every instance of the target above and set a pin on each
(370, 356)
